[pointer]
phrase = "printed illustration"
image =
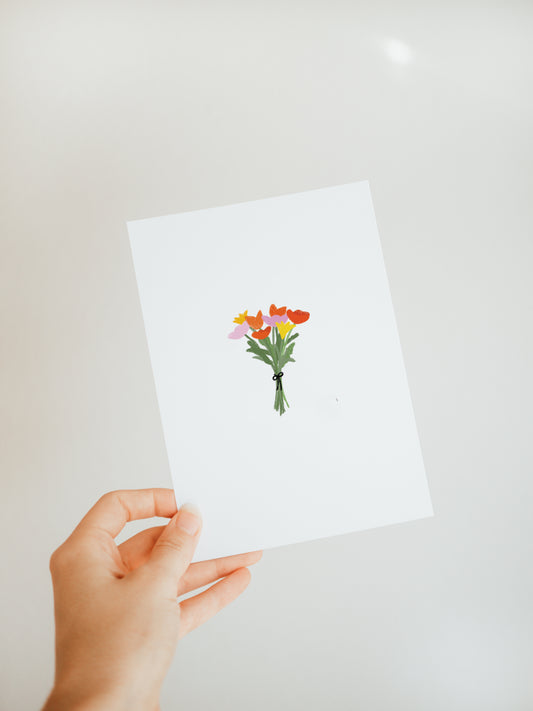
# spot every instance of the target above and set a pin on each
(272, 341)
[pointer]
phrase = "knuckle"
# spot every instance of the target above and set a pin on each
(110, 496)
(173, 545)
(116, 497)
(59, 559)
(53, 564)
(65, 557)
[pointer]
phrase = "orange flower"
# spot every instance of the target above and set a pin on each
(297, 316)
(255, 321)
(262, 334)
(277, 312)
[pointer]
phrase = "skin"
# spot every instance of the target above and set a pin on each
(117, 616)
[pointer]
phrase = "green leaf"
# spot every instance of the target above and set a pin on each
(256, 348)
(265, 360)
(286, 359)
(289, 350)
(271, 351)
(291, 337)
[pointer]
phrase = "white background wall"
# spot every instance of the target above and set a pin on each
(122, 110)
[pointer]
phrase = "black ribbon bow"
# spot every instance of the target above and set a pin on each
(277, 377)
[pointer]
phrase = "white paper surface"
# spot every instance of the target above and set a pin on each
(346, 455)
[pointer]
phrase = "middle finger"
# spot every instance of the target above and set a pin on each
(207, 571)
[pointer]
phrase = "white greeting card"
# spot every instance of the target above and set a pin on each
(278, 369)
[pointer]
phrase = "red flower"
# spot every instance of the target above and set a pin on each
(277, 312)
(262, 334)
(255, 321)
(297, 316)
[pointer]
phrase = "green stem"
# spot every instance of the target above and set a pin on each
(280, 398)
(273, 353)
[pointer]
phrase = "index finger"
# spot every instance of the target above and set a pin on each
(114, 509)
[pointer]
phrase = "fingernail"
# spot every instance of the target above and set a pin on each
(189, 519)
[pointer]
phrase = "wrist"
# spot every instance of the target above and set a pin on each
(63, 697)
(68, 697)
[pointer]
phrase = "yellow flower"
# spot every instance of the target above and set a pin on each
(284, 328)
(241, 318)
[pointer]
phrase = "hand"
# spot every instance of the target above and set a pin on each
(117, 616)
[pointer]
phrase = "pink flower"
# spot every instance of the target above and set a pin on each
(273, 320)
(239, 331)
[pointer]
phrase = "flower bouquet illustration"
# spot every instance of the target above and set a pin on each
(272, 341)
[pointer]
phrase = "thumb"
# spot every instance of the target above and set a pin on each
(174, 549)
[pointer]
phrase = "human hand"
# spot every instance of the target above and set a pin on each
(116, 611)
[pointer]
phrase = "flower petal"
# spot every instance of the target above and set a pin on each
(284, 329)
(277, 312)
(241, 318)
(255, 321)
(298, 316)
(239, 331)
(262, 334)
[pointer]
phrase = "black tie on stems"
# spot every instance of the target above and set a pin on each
(277, 377)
